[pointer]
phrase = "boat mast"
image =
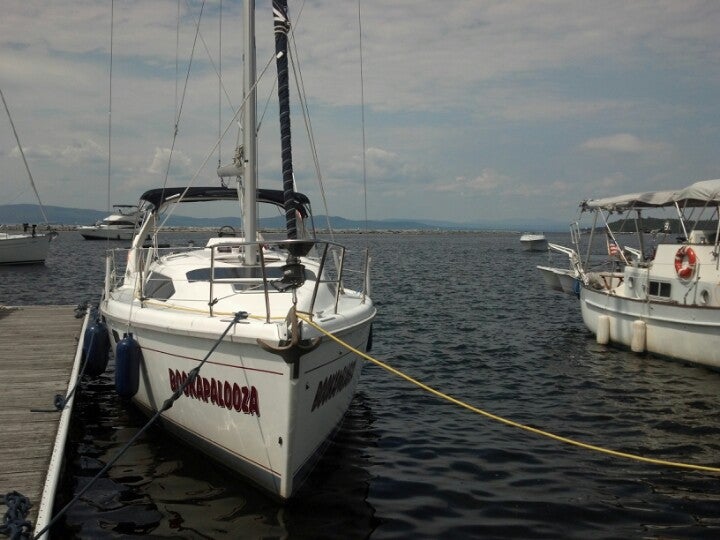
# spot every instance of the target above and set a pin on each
(250, 137)
(282, 27)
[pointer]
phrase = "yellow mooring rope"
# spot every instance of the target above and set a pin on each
(505, 420)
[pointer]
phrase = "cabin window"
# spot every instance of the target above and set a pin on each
(659, 288)
(240, 272)
(159, 287)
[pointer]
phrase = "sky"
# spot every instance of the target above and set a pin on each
(465, 110)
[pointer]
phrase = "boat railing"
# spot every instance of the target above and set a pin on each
(575, 233)
(275, 272)
(574, 260)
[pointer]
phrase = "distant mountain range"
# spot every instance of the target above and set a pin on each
(12, 214)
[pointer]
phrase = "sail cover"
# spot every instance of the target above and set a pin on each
(282, 27)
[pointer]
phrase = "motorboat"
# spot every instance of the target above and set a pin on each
(120, 225)
(654, 293)
(236, 330)
(562, 278)
(533, 242)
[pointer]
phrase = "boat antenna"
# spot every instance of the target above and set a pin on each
(282, 27)
(27, 167)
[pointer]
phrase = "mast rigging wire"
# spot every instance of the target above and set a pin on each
(22, 153)
(178, 110)
(212, 150)
(220, 85)
(300, 85)
(362, 112)
(112, 25)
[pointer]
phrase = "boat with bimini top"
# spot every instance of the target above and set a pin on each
(659, 292)
(226, 328)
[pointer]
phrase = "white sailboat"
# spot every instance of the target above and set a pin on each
(662, 298)
(29, 246)
(24, 248)
(273, 390)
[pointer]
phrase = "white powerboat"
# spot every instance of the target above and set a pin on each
(120, 225)
(533, 242)
(559, 279)
(271, 388)
(562, 279)
(661, 294)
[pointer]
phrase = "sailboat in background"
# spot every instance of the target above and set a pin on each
(29, 246)
(272, 389)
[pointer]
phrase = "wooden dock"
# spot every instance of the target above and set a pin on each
(38, 356)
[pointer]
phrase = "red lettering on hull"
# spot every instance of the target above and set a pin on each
(223, 394)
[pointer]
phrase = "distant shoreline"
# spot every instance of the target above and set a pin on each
(74, 228)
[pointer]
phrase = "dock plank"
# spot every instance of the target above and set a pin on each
(37, 350)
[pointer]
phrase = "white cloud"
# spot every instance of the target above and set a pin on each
(497, 95)
(179, 166)
(624, 143)
(77, 152)
(487, 181)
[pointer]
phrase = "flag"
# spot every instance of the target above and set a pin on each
(612, 247)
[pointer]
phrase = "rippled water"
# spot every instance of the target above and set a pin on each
(467, 314)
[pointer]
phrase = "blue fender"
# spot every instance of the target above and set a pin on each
(96, 348)
(127, 366)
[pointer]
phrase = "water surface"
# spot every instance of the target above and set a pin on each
(467, 314)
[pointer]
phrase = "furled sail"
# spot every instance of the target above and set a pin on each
(282, 27)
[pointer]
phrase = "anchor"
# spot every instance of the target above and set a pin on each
(291, 350)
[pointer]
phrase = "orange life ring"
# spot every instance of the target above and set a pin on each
(685, 271)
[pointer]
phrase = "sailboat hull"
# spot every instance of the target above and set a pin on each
(248, 409)
(23, 248)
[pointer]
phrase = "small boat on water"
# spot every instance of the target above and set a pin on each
(120, 225)
(271, 387)
(25, 247)
(659, 295)
(29, 246)
(534, 242)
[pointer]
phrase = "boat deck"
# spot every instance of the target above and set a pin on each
(38, 356)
